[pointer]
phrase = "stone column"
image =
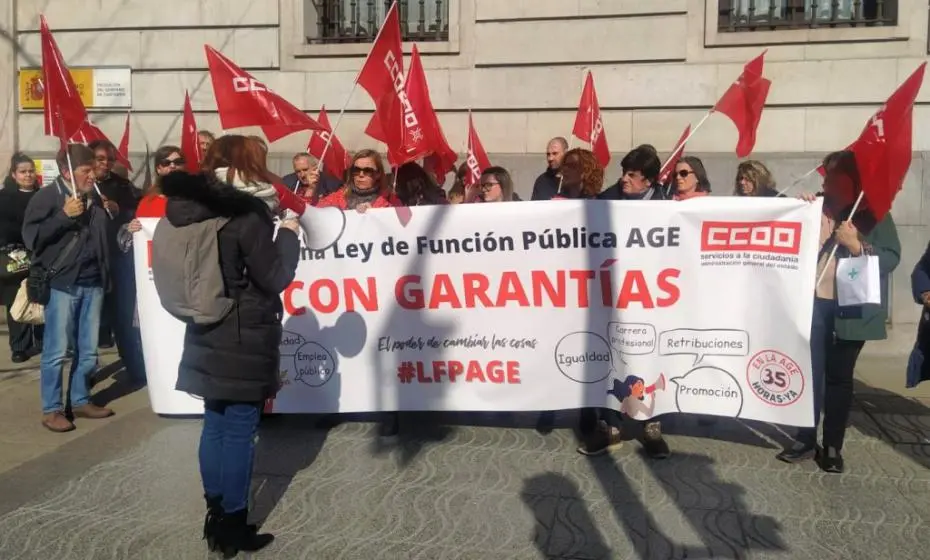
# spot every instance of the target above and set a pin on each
(9, 92)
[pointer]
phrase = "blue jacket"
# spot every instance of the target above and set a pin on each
(918, 366)
(920, 278)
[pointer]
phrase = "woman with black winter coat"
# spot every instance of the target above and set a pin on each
(18, 189)
(233, 364)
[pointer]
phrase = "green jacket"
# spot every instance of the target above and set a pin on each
(867, 322)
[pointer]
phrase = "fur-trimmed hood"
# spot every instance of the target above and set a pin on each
(195, 198)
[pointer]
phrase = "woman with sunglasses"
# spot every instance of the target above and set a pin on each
(167, 159)
(366, 186)
(690, 179)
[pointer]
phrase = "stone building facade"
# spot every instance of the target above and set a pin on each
(518, 66)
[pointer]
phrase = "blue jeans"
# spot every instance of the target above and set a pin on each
(70, 315)
(227, 449)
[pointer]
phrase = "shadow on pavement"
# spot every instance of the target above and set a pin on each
(901, 422)
(123, 383)
(287, 445)
(731, 532)
(579, 534)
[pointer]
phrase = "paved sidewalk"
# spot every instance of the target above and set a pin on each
(457, 486)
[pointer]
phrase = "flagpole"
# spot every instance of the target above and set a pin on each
(681, 145)
(102, 199)
(798, 181)
(352, 91)
(591, 111)
(67, 147)
(71, 170)
(468, 147)
(468, 135)
(833, 251)
(336, 124)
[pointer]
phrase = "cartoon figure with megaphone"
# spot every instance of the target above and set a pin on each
(632, 393)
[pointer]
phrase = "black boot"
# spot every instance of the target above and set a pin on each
(236, 535)
(212, 519)
(831, 460)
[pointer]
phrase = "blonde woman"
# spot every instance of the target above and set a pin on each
(753, 178)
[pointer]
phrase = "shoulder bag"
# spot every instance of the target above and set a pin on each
(38, 283)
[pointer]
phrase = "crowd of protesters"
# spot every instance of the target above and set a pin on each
(78, 230)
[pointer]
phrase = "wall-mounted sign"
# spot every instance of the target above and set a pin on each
(47, 171)
(98, 87)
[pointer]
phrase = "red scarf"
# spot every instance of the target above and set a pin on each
(338, 199)
(690, 195)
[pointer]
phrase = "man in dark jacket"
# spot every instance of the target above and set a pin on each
(308, 181)
(641, 167)
(65, 227)
(639, 180)
(547, 184)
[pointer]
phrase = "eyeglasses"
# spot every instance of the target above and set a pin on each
(369, 171)
(171, 162)
(488, 185)
(683, 173)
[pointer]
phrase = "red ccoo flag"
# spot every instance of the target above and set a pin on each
(666, 173)
(477, 159)
(743, 103)
(883, 149)
(410, 114)
(441, 157)
(190, 146)
(588, 123)
(337, 158)
(394, 122)
(122, 151)
(64, 111)
(87, 133)
(383, 71)
(244, 101)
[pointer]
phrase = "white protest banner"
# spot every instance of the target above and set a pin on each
(701, 306)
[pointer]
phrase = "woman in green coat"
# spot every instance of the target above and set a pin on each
(838, 333)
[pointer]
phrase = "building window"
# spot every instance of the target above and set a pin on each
(767, 15)
(357, 21)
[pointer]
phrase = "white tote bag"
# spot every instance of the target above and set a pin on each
(25, 311)
(858, 281)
